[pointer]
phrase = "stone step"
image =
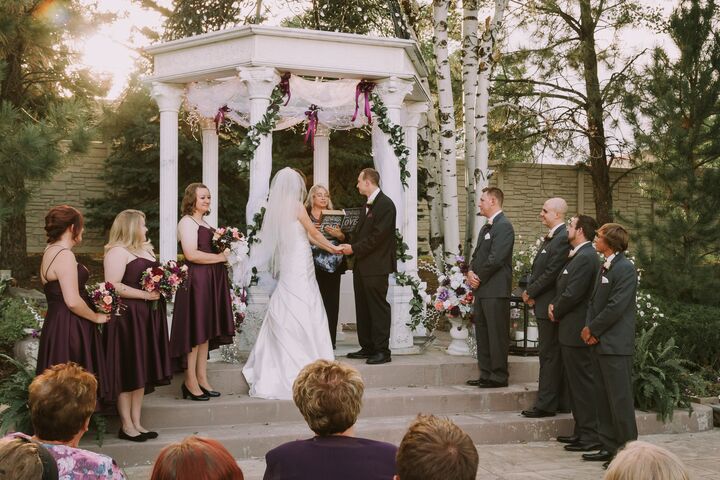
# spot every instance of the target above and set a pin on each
(434, 367)
(254, 440)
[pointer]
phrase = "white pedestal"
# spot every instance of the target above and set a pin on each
(459, 335)
(401, 337)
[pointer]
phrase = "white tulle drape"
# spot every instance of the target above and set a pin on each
(335, 99)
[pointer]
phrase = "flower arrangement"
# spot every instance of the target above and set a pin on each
(165, 279)
(224, 237)
(453, 297)
(239, 297)
(523, 255)
(105, 298)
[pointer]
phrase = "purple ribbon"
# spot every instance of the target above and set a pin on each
(363, 87)
(285, 86)
(312, 116)
(220, 117)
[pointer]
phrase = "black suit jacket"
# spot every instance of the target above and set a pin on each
(546, 267)
(611, 315)
(574, 287)
(492, 259)
(373, 243)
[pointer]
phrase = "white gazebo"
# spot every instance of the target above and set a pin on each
(240, 67)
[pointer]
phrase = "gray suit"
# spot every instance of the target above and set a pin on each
(574, 287)
(611, 318)
(546, 267)
(492, 262)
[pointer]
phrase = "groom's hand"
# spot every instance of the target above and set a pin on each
(346, 249)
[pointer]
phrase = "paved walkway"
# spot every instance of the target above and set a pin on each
(547, 460)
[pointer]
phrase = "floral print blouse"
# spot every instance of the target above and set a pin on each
(79, 464)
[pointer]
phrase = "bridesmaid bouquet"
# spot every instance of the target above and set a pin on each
(165, 279)
(105, 298)
(224, 237)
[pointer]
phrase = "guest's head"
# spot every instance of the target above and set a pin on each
(318, 197)
(611, 238)
(582, 229)
(553, 212)
(23, 459)
(435, 448)
(64, 220)
(62, 399)
(329, 396)
(368, 181)
(491, 201)
(129, 231)
(196, 458)
(196, 199)
(644, 461)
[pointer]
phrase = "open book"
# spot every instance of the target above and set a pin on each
(347, 219)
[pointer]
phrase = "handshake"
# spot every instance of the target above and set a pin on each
(345, 249)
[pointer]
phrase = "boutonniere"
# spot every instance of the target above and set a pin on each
(606, 265)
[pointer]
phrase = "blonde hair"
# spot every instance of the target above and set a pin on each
(20, 460)
(644, 461)
(329, 396)
(311, 194)
(126, 232)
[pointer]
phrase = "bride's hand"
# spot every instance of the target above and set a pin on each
(337, 250)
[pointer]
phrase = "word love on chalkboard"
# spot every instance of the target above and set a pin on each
(347, 219)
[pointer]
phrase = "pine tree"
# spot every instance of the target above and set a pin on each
(676, 117)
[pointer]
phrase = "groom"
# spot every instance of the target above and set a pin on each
(373, 245)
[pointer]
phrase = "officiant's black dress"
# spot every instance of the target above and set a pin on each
(203, 307)
(137, 343)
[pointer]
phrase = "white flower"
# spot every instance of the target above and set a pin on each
(642, 314)
(648, 305)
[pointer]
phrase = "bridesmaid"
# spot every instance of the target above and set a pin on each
(69, 332)
(138, 349)
(202, 317)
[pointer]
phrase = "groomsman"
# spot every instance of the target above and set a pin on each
(546, 267)
(610, 329)
(491, 278)
(374, 248)
(569, 309)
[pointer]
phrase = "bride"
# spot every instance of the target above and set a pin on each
(294, 332)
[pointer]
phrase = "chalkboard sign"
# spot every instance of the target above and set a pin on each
(348, 218)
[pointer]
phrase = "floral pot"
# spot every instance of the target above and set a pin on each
(26, 350)
(459, 334)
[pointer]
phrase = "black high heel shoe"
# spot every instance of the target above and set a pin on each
(187, 393)
(124, 436)
(149, 435)
(209, 393)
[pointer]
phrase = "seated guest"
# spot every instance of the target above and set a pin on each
(644, 461)
(329, 397)
(62, 399)
(23, 459)
(196, 458)
(436, 449)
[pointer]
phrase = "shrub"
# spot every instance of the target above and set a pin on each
(15, 317)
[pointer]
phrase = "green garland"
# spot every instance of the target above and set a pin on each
(401, 247)
(396, 135)
(418, 304)
(264, 127)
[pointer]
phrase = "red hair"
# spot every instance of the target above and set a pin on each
(59, 219)
(196, 458)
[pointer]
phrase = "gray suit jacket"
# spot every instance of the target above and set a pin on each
(574, 287)
(492, 259)
(611, 315)
(546, 267)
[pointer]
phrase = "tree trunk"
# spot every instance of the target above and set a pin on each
(447, 129)
(470, 75)
(599, 168)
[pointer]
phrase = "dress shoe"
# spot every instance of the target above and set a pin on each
(209, 393)
(536, 413)
(601, 456)
(360, 354)
(188, 394)
(582, 447)
(476, 383)
(149, 435)
(492, 384)
(379, 358)
(124, 436)
(568, 438)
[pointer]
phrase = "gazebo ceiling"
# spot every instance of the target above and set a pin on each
(314, 53)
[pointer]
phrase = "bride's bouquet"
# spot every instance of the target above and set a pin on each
(105, 298)
(165, 279)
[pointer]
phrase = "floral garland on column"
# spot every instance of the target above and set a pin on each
(395, 133)
(419, 312)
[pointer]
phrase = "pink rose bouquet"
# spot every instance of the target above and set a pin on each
(165, 279)
(105, 298)
(224, 237)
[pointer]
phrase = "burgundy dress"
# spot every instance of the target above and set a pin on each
(137, 344)
(203, 308)
(66, 337)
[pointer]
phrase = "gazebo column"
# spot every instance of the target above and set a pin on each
(210, 166)
(321, 156)
(413, 113)
(260, 82)
(168, 97)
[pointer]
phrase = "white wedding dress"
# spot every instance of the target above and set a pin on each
(295, 331)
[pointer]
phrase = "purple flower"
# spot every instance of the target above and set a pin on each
(35, 333)
(443, 295)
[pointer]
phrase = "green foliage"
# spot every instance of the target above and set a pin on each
(14, 395)
(264, 127)
(661, 378)
(401, 247)
(349, 16)
(675, 115)
(396, 135)
(15, 317)
(194, 17)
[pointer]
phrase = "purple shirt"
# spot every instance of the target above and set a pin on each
(330, 458)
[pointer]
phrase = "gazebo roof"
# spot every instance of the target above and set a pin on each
(314, 53)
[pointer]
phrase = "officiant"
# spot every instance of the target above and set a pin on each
(328, 267)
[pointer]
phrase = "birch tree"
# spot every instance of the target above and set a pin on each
(447, 128)
(469, 77)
